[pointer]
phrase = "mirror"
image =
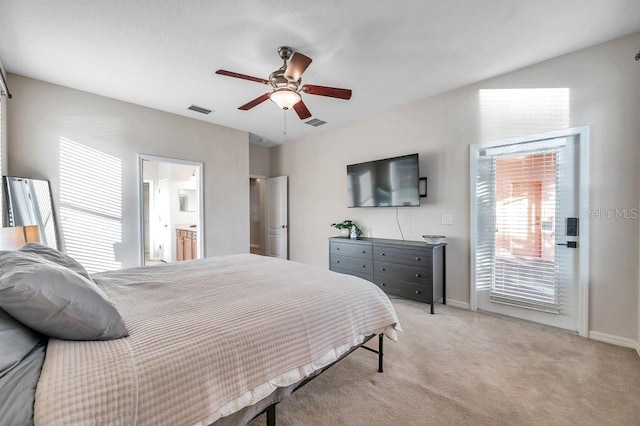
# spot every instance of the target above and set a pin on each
(187, 199)
(29, 202)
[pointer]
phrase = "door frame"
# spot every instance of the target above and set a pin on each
(582, 133)
(151, 202)
(199, 192)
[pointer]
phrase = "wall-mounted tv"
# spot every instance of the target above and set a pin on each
(391, 182)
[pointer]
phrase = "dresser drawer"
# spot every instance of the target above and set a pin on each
(412, 257)
(352, 264)
(359, 250)
(416, 274)
(422, 293)
(367, 275)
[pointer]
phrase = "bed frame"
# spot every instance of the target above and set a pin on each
(271, 409)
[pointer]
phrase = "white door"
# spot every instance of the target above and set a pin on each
(277, 244)
(163, 211)
(529, 241)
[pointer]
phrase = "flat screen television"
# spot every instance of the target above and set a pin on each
(391, 182)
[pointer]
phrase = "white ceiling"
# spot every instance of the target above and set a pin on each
(163, 54)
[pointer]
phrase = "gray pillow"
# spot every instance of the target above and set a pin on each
(56, 301)
(18, 389)
(16, 341)
(55, 256)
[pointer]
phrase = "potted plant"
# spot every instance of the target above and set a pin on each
(346, 226)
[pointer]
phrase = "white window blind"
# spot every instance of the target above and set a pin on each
(517, 196)
(485, 208)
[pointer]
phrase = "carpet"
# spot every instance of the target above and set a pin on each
(459, 367)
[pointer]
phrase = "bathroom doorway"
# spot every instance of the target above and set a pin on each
(171, 210)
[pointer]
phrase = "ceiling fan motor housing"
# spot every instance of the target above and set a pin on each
(279, 81)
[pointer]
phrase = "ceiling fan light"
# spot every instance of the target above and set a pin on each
(285, 98)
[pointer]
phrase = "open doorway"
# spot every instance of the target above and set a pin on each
(171, 210)
(268, 215)
(256, 215)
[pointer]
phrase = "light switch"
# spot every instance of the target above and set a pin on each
(447, 219)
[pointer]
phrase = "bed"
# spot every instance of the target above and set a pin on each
(210, 341)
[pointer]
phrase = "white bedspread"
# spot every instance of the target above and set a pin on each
(207, 338)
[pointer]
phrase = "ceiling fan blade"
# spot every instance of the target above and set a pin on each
(242, 76)
(332, 92)
(297, 65)
(301, 110)
(256, 101)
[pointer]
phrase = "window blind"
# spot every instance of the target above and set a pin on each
(517, 195)
(485, 228)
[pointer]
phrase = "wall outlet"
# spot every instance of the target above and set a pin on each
(447, 219)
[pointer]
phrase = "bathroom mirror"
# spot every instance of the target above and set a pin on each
(188, 201)
(28, 202)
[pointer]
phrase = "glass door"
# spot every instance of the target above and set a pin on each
(526, 231)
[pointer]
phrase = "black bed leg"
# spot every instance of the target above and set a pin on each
(271, 415)
(380, 352)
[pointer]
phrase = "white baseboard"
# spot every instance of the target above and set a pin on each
(614, 340)
(595, 335)
(458, 304)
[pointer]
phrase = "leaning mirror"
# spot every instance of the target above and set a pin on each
(28, 202)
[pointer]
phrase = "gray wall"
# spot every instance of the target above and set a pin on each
(43, 116)
(604, 83)
(259, 161)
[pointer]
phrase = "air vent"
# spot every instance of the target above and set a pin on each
(199, 109)
(315, 122)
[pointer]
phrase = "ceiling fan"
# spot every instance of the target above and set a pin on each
(286, 83)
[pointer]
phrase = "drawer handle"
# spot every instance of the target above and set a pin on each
(363, 251)
(382, 284)
(364, 266)
(417, 291)
(383, 269)
(381, 254)
(337, 248)
(337, 261)
(418, 275)
(417, 258)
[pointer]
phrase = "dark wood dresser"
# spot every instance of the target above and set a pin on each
(410, 269)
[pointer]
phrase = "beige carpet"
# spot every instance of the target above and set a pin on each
(458, 367)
